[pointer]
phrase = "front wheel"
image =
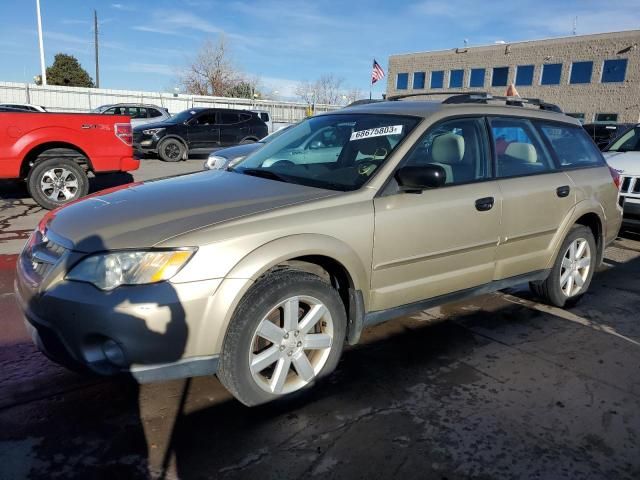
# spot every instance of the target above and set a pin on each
(572, 271)
(57, 181)
(171, 150)
(287, 333)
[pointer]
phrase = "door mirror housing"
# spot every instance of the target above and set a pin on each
(415, 179)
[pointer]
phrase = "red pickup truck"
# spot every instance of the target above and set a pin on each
(54, 152)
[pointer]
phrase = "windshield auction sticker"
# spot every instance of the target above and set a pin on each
(377, 132)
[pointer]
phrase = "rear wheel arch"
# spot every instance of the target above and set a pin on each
(594, 223)
(48, 150)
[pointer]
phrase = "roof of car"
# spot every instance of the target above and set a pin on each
(427, 108)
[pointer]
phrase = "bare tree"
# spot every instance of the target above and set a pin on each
(212, 72)
(353, 95)
(327, 90)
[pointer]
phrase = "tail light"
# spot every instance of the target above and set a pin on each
(615, 176)
(124, 132)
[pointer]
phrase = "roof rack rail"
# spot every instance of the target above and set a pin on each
(483, 97)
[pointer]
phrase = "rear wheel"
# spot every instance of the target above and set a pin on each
(57, 181)
(171, 150)
(572, 271)
(287, 333)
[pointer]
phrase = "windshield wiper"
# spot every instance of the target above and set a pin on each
(259, 172)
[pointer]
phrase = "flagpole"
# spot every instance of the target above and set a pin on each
(371, 78)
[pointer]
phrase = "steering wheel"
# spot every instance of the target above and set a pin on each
(283, 163)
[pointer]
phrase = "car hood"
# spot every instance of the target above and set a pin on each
(237, 151)
(163, 124)
(146, 214)
(624, 162)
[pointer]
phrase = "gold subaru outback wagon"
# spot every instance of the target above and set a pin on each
(262, 272)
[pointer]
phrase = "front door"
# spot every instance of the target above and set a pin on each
(203, 132)
(537, 197)
(444, 239)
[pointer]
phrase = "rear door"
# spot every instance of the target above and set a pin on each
(537, 196)
(230, 124)
(203, 133)
(444, 239)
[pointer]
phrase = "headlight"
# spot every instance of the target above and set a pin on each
(152, 131)
(215, 163)
(110, 270)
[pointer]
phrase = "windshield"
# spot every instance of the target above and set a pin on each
(100, 109)
(182, 116)
(272, 136)
(628, 142)
(337, 151)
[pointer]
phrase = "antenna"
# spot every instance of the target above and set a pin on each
(575, 24)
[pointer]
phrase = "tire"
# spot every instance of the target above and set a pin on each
(171, 150)
(57, 181)
(561, 288)
(265, 304)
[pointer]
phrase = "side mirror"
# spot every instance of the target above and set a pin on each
(415, 179)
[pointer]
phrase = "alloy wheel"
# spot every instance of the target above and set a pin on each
(59, 184)
(576, 264)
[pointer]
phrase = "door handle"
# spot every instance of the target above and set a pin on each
(563, 191)
(484, 204)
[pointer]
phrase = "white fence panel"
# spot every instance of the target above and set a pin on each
(77, 99)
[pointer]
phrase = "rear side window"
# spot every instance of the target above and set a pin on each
(572, 145)
(227, 118)
(519, 149)
(154, 113)
(264, 117)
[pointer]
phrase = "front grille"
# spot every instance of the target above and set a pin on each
(630, 185)
(40, 256)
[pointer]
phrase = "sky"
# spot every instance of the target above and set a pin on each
(145, 44)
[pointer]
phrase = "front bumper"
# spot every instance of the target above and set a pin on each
(148, 331)
(631, 213)
(144, 144)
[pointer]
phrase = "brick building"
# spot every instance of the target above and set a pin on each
(593, 77)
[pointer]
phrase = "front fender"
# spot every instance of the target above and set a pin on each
(244, 274)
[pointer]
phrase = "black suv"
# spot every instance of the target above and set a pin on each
(604, 133)
(198, 130)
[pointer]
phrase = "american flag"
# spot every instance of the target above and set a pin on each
(377, 72)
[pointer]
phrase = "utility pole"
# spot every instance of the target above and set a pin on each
(43, 68)
(95, 32)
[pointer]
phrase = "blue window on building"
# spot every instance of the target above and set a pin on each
(476, 79)
(614, 70)
(437, 79)
(402, 81)
(524, 75)
(581, 72)
(418, 80)
(456, 77)
(500, 77)
(551, 74)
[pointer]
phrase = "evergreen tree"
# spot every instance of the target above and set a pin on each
(67, 71)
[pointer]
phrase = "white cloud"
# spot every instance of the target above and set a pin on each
(123, 7)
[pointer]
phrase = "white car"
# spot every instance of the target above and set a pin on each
(24, 106)
(623, 154)
(140, 113)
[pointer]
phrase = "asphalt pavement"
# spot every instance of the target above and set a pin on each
(497, 387)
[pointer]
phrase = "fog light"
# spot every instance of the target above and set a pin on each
(146, 143)
(114, 353)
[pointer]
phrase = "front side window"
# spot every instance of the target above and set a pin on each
(628, 142)
(524, 75)
(518, 148)
(437, 79)
(456, 78)
(418, 80)
(402, 81)
(581, 72)
(572, 145)
(614, 70)
(458, 146)
(551, 73)
(206, 119)
(476, 79)
(336, 152)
